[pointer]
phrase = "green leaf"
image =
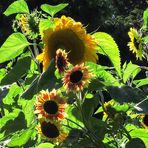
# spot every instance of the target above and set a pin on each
(44, 25)
(14, 125)
(145, 19)
(10, 116)
(141, 82)
(2, 73)
(14, 90)
(145, 39)
(104, 76)
(28, 109)
(20, 139)
(19, 6)
(142, 134)
(107, 46)
(91, 104)
(131, 70)
(73, 117)
(135, 143)
(29, 93)
(45, 145)
(52, 10)
(47, 80)
(13, 46)
(19, 70)
(126, 94)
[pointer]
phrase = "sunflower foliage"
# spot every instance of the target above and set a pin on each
(53, 92)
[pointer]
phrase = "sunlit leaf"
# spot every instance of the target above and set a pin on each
(14, 90)
(141, 82)
(13, 46)
(74, 118)
(20, 139)
(28, 109)
(10, 116)
(19, 6)
(104, 76)
(131, 70)
(145, 19)
(108, 47)
(45, 145)
(21, 68)
(44, 25)
(142, 134)
(52, 10)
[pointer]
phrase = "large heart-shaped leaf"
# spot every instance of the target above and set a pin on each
(19, 6)
(13, 46)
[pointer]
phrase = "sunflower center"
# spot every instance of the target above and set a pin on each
(69, 41)
(136, 43)
(49, 130)
(50, 107)
(145, 120)
(60, 62)
(76, 76)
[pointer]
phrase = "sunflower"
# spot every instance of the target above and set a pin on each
(144, 121)
(50, 105)
(77, 78)
(135, 44)
(61, 60)
(70, 36)
(23, 22)
(52, 131)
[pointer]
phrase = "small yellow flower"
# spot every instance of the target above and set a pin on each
(61, 60)
(135, 44)
(50, 105)
(52, 131)
(70, 36)
(144, 121)
(23, 22)
(77, 78)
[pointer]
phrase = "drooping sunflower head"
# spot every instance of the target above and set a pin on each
(109, 110)
(70, 36)
(77, 78)
(50, 105)
(23, 22)
(61, 60)
(144, 121)
(52, 131)
(135, 44)
(29, 24)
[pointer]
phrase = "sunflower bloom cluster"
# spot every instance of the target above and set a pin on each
(135, 44)
(70, 36)
(50, 110)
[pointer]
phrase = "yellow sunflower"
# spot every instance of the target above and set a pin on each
(109, 110)
(51, 131)
(50, 105)
(144, 121)
(135, 44)
(61, 60)
(23, 22)
(70, 36)
(77, 78)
